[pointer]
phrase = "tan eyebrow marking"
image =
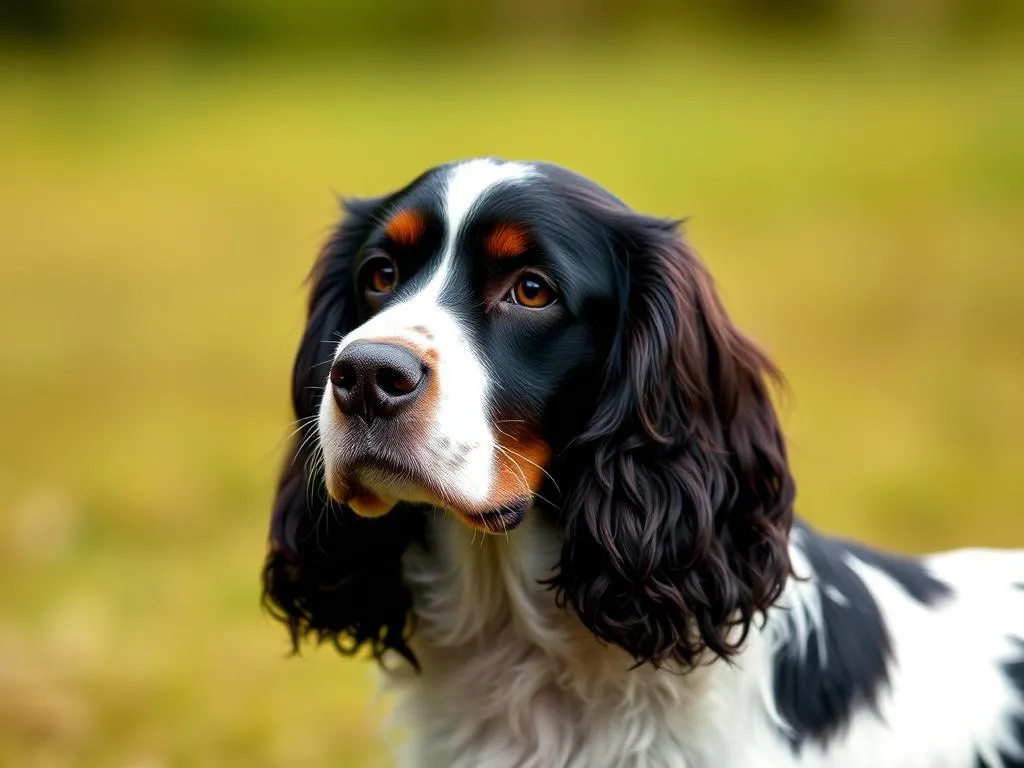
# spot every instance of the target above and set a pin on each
(406, 227)
(506, 241)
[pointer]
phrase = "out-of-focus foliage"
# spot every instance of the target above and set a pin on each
(861, 207)
(332, 23)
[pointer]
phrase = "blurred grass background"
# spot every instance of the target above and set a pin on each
(853, 174)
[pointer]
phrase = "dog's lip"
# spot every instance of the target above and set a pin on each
(368, 464)
(374, 495)
(366, 502)
(376, 481)
(383, 479)
(500, 520)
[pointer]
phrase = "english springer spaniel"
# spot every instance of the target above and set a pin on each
(542, 481)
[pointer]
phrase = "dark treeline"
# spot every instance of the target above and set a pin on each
(337, 22)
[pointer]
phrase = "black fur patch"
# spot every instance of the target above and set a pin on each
(1014, 671)
(844, 663)
(908, 572)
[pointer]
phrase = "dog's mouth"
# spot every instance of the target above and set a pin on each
(372, 484)
(371, 479)
(499, 520)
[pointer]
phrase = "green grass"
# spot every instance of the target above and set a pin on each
(864, 216)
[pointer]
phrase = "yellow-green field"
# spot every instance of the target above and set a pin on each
(864, 216)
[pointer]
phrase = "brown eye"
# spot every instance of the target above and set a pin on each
(380, 275)
(532, 291)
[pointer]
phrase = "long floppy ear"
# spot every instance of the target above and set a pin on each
(330, 574)
(680, 498)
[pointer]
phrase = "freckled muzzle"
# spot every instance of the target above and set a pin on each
(399, 425)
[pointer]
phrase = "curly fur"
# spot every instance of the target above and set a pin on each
(655, 606)
(680, 497)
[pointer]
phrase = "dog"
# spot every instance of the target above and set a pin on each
(540, 478)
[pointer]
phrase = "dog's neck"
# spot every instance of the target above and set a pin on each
(494, 644)
(470, 588)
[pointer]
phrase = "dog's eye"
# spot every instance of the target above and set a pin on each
(379, 275)
(532, 291)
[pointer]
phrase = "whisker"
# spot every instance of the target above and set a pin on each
(311, 470)
(526, 486)
(300, 424)
(504, 527)
(326, 506)
(528, 460)
(314, 433)
(320, 489)
(300, 450)
(308, 495)
(519, 470)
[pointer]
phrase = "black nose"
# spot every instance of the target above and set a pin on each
(371, 379)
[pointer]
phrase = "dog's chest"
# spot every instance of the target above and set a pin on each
(510, 679)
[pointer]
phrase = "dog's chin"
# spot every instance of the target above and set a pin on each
(372, 491)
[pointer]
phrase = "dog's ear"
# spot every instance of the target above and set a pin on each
(330, 574)
(679, 498)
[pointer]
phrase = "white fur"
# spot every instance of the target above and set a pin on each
(460, 445)
(510, 680)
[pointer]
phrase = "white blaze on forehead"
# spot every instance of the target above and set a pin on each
(467, 184)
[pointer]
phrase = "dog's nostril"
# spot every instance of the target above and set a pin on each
(343, 375)
(396, 382)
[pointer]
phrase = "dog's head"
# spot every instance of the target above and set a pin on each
(503, 339)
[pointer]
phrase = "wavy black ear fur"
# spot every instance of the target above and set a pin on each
(330, 574)
(680, 498)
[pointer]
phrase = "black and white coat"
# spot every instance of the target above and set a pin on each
(865, 661)
(539, 477)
